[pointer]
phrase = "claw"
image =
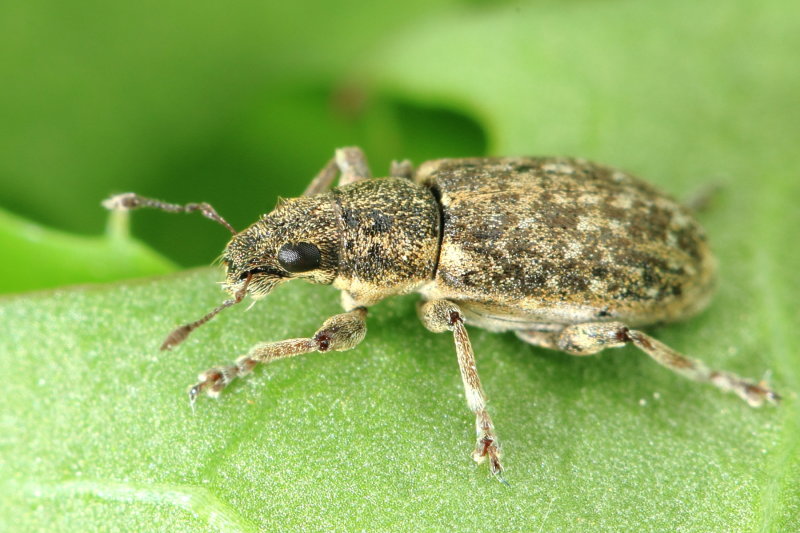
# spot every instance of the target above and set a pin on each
(774, 397)
(494, 464)
(211, 381)
(194, 392)
(501, 479)
(487, 448)
(771, 396)
(756, 394)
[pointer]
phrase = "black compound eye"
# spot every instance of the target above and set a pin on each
(299, 257)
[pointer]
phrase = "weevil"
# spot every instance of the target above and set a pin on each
(567, 254)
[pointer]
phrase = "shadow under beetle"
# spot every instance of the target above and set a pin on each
(568, 254)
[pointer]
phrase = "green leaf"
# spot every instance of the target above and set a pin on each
(40, 258)
(96, 428)
(233, 104)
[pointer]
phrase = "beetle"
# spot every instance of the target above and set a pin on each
(569, 255)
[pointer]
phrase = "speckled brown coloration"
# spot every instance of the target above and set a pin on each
(570, 255)
(371, 245)
(560, 240)
(254, 251)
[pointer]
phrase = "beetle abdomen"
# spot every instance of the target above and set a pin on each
(564, 240)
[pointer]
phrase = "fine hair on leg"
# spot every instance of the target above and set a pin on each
(592, 337)
(443, 315)
(338, 333)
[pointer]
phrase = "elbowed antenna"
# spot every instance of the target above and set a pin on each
(179, 334)
(129, 200)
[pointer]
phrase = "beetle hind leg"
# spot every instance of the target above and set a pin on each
(590, 338)
(442, 315)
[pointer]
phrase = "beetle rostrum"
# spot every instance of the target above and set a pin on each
(569, 255)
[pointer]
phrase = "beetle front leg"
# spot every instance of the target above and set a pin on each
(590, 338)
(338, 333)
(443, 315)
(350, 163)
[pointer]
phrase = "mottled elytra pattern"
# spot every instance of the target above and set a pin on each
(526, 235)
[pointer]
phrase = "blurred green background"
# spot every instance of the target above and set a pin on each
(241, 102)
(230, 103)
(238, 103)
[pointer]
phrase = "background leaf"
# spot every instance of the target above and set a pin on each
(46, 258)
(233, 104)
(96, 431)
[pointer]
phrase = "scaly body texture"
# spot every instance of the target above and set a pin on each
(568, 254)
(562, 241)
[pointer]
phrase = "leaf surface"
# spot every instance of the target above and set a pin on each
(97, 431)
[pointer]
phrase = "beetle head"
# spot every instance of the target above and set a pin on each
(298, 239)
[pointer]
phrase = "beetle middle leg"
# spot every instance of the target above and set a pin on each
(349, 163)
(592, 337)
(443, 315)
(338, 333)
